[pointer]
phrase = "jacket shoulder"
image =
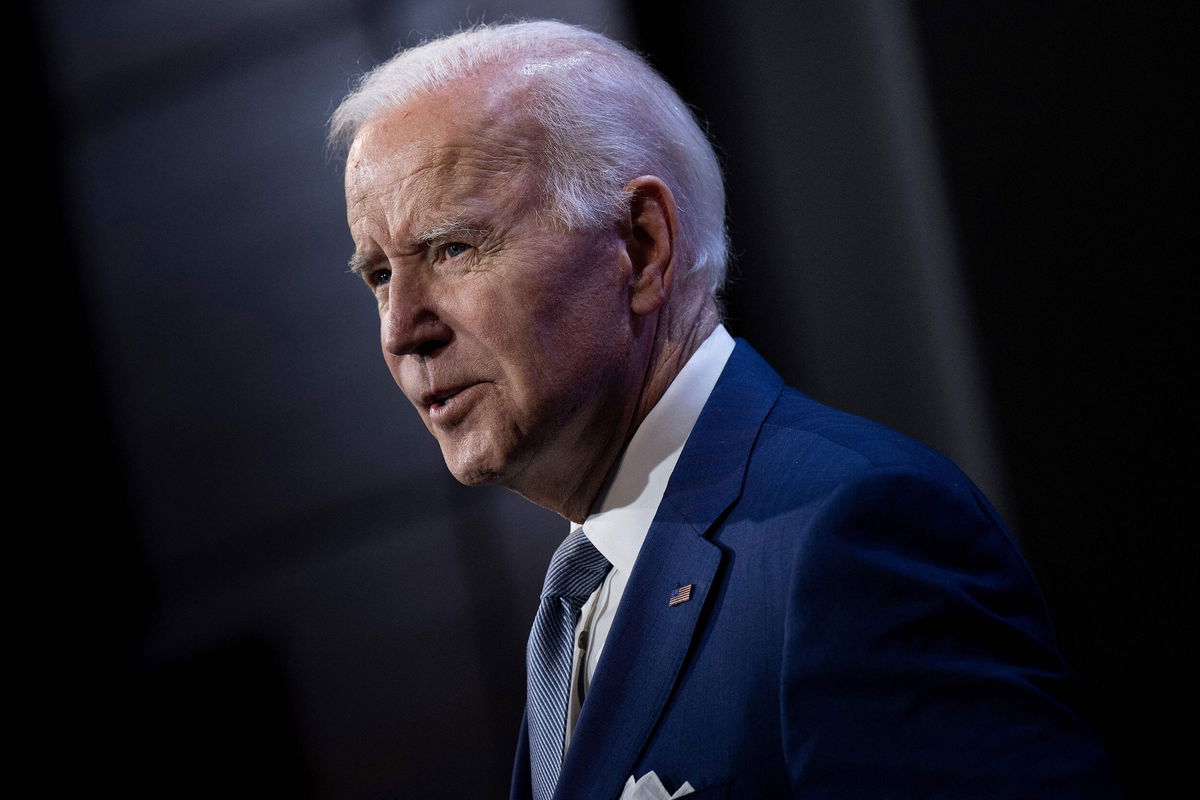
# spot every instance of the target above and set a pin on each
(812, 449)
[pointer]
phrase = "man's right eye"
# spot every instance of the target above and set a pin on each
(380, 277)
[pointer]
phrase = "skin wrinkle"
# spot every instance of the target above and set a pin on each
(490, 153)
(444, 165)
(561, 338)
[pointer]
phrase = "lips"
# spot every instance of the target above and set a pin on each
(448, 404)
(440, 395)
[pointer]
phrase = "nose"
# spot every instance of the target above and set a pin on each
(409, 321)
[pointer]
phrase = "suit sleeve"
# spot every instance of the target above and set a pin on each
(919, 661)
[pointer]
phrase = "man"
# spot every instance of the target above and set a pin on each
(762, 596)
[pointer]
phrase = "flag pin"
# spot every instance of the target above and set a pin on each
(681, 595)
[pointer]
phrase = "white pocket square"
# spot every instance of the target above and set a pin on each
(649, 787)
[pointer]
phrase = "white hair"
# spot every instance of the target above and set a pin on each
(608, 118)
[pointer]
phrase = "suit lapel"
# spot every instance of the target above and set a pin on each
(650, 639)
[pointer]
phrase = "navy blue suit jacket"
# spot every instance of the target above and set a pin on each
(861, 626)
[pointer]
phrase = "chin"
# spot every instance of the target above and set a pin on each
(489, 463)
(473, 469)
(475, 477)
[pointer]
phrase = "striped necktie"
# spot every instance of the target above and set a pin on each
(576, 569)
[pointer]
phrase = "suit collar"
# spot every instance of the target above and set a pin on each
(709, 475)
(650, 639)
(632, 495)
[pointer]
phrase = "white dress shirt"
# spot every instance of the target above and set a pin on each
(627, 506)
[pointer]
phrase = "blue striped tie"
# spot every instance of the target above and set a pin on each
(576, 569)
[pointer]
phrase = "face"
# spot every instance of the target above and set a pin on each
(513, 339)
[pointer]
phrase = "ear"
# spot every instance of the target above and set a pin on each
(650, 243)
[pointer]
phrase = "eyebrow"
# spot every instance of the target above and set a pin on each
(360, 263)
(448, 228)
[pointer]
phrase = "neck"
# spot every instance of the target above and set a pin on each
(672, 346)
(671, 356)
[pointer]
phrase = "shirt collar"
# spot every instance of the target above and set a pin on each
(627, 506)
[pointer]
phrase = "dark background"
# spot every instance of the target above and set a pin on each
(239, 564)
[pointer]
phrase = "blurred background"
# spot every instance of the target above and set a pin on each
(248, 571)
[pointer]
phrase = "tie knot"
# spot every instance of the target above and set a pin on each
(576, 568)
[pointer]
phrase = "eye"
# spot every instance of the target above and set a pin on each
(455, 249)
(380, 278)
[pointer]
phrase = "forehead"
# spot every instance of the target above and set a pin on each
(463, 140)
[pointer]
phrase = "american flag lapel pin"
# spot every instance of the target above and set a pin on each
(681, 595)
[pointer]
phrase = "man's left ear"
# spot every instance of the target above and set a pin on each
(650, 243)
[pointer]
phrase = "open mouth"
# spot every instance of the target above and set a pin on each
(446, 404)
(440, 400)
(440, 397)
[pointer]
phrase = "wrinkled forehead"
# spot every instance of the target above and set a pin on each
(470, 129)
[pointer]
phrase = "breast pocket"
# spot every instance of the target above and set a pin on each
(711, 792)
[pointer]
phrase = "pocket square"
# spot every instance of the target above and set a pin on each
(649, 787)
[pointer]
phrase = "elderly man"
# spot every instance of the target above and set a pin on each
(759, 596)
